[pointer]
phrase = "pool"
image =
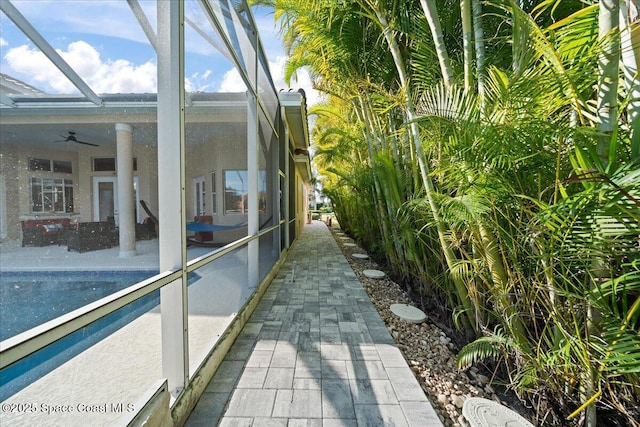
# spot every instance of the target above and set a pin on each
(28, 299)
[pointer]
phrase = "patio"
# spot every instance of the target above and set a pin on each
(57, 258)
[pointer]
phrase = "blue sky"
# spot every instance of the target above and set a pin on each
(106, 46)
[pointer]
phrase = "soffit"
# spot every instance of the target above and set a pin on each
(295, 111)
(39, 122)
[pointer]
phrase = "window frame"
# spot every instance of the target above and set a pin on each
(53, 188)
(262, 192)
(214, 198)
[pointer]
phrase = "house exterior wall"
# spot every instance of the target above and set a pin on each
(14, 163)
(302, 208)
(147, 175)
(9, 163)
(14, 167)
(219, 153)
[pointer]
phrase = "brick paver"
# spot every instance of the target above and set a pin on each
(314, 353)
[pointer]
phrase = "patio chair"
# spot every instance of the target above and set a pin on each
(151, 216)
(43, 232)
(92, 236)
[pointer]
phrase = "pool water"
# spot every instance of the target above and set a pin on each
(30, 299)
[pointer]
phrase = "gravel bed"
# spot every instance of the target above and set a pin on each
(429, 351)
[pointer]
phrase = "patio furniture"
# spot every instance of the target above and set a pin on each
(43, 232)
(92, 236)
(203, 236)
(146, 230)
(204, 232)
(152, 217)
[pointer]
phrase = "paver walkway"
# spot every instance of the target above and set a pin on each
(314, 353)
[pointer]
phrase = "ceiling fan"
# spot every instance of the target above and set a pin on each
(72, 138)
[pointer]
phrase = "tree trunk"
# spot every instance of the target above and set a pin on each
(608, 64)
(479, 47)
(467, 43)
(431, 13)
(449, 255)
(630, 45)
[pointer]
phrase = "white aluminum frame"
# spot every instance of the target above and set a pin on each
(21, 22)
(171, 179)
(172, 282)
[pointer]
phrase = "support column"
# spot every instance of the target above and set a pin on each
(287, 157)
(253, 130)
(126, 195)
(171, 196)
(253, 219)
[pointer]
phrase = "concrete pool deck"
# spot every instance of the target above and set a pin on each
(14, 257)
(98, 385)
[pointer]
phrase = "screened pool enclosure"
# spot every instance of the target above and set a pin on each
(152, 179)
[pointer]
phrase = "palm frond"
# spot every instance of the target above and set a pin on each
(491, 346)
(623, 349)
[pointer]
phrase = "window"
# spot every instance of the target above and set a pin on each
(58, 166)
(51, 195)
(108, 164)
(62, 166)
(236, 192)
(39, 164)
(104, 164)
(213, 193)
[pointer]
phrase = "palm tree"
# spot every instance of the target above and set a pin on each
(502, 195)
(608, 64)
(431, 13)
(630, 57)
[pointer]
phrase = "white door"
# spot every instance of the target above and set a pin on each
(200, 196)
(105, 198)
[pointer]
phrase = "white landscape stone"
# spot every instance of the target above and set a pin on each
(360, 256)
(350, 245)
(373, 274)
(408, 313)
(481, 412)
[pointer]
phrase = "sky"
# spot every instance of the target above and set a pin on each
(106, 46)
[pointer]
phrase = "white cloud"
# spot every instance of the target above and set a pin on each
(232, 82)
(197, 82)
(3, 42)
(302, 80)
(111, 76)
(122, 76)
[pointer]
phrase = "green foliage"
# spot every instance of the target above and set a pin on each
(502, 207)
(491, 346)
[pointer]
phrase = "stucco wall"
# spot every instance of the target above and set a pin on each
(14, 163)
(16, 175)
(222, 151)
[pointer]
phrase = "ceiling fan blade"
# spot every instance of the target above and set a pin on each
(71, 137)
(86, 143)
